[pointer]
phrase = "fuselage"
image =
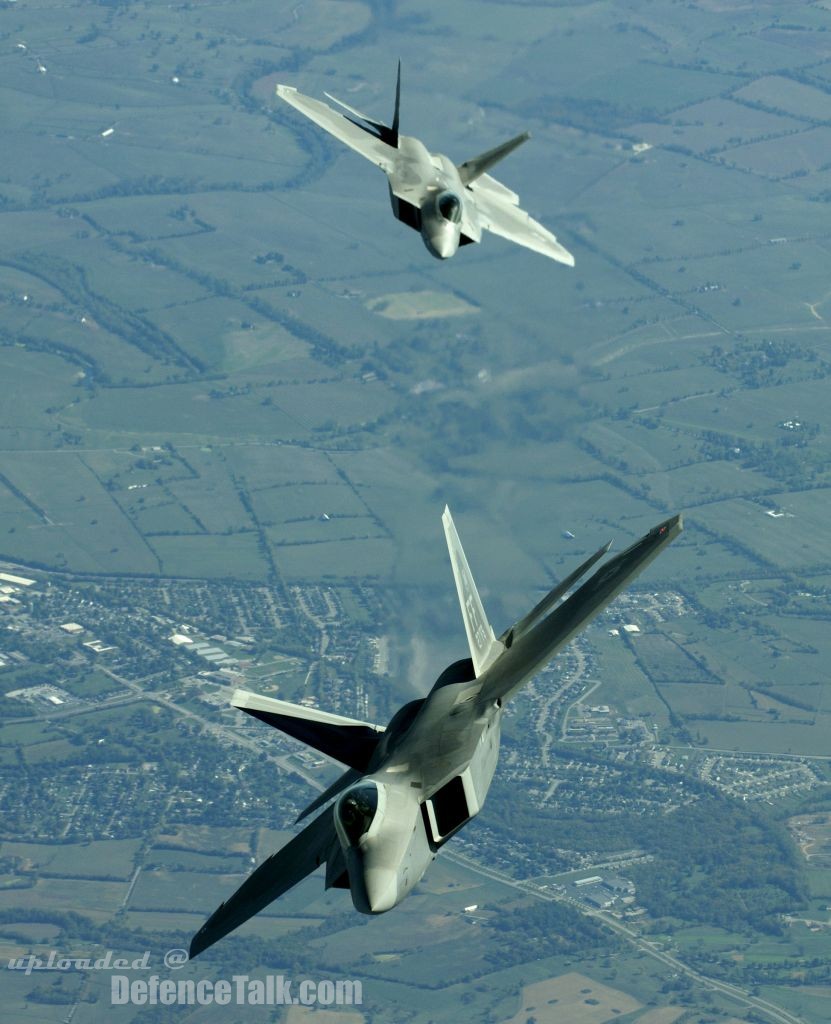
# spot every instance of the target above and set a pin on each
(409, 787)
(427, 193)
(430, 776)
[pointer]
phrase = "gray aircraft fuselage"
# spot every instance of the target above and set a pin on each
(431, 184)
(448, 205)
(410, 786)
(427, 747)
(434, 764)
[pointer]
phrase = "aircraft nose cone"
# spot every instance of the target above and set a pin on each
(444, 246)
(381, 889)
(441, 243)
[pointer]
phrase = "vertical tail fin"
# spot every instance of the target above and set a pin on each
(537, 644)
(484, 647)
(393, 140)
(386, 133)
(550, 599)
(472, 169)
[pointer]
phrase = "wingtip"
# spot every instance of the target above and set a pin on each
(239, 698)
(669, 529)
(677, 522)
(561, 254)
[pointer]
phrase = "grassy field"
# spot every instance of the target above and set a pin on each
(215, 336)
(112, 858)
(97, 899)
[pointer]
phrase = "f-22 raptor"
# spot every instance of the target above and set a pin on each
(451, 206)
(410, 786)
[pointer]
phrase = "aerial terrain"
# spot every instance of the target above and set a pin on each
(236, 397)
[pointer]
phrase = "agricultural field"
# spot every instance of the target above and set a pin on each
(581, 998)
(237, 393)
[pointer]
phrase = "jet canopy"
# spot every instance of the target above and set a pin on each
(356, 811)
(449, 206)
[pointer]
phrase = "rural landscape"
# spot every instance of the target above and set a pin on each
(236, 396)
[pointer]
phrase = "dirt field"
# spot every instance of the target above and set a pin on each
(306, 1015)
(575, 998)
(419, 306)
(661, 1015)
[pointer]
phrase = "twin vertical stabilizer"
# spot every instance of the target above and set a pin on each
(386, 133)
(534, 639)
(472, 169)
(484, 647)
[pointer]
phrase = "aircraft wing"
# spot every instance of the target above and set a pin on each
(534, 648)
(343, 128)
(499, 213)
(275, 876)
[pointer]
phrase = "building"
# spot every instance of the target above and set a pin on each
(19, 581)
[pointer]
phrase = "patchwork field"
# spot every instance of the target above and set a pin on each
(230, 377)
(577, 997)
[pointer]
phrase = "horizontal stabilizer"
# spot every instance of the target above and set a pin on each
(540, 643)
(484, 647)
(345, 739)
(548, 602)
(271, 879)
(470, 170)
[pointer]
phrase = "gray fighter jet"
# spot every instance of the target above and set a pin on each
(410, 786)
(449, 205)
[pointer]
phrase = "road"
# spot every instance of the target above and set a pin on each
(286, 761)
(771, 1010)
(223, 732)
(750, 753)
(573, 705)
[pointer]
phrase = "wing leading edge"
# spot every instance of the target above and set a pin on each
(275, 876)
(369, 145)
(537, 645)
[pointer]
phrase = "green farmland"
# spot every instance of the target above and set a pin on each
(235, 396)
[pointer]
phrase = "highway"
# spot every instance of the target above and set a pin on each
(770, 1010)
(289, 763)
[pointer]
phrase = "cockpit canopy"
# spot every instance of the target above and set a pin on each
(356, 811)
(449, 206)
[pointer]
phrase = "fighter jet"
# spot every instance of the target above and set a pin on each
(410, 786)
(449, 205)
